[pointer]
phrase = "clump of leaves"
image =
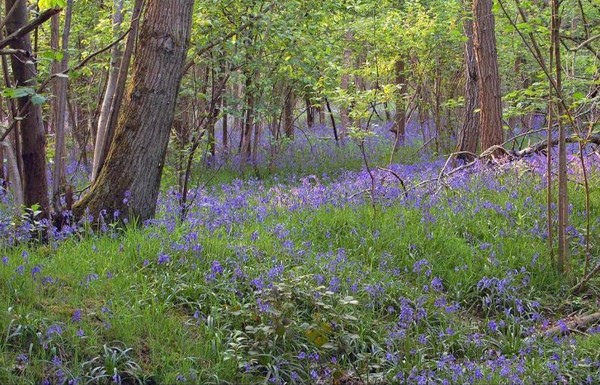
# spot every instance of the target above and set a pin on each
(114, 364)
(287, 320)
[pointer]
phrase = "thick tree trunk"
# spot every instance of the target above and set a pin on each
(33, 138)
(109, 92)
(469, 134)
(59, 110)
(488, 78)
(130, 178)
(119, 91)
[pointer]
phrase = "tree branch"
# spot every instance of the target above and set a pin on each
(33, 24)
(543, 145)
(45, 83)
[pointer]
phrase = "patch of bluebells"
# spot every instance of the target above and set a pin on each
(501, 299)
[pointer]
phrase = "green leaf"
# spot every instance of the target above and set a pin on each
(47, 4)
(14, 93)
(38, 99)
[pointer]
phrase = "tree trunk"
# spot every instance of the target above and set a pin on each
(13, 175)
(564, 264)
(321, 114)
(15, 135)
(225, 126)
(80, 134)
(129, 181)
(333, 126)
(237, 118)
(488, 78)
(288, 113)
(59, 110)
(345, 85)
(437, 106)
(33, 138)
(3, 175)
(400, 121)
(469, 134)
(117, 99)
(310, 113)
(109, 92)
(218, 87)
(246, 140)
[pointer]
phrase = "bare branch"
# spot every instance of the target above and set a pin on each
(33, 24)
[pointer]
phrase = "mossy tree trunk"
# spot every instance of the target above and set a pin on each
(130, 178)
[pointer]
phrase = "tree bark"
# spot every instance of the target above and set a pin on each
(289, 103)
(129, 181)
(109, 92)
(246, 140)
(119, 91)
(33, 138)
(59, 110)
(469, 134)
(564, 264)
(15, 135)
(225, 126)
(488, 78)
(310, 113)
(400, 118)
(345, 85)
(13, 176)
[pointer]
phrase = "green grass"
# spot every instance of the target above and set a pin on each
(175, 322)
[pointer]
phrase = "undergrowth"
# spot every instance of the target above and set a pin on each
(307, 282)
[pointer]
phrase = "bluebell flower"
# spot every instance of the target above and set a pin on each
(76, 317)
(54, 329)
(163, 259)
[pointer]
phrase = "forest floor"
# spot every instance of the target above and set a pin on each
(349, 278)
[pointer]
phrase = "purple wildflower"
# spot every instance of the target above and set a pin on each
(163, 259)
(76, 317)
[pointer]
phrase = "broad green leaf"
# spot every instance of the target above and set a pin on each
(14, 93)
(38, 99)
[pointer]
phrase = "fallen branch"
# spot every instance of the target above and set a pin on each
(577, 289)
(576, 324)
(543, 145)
(397, 177)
